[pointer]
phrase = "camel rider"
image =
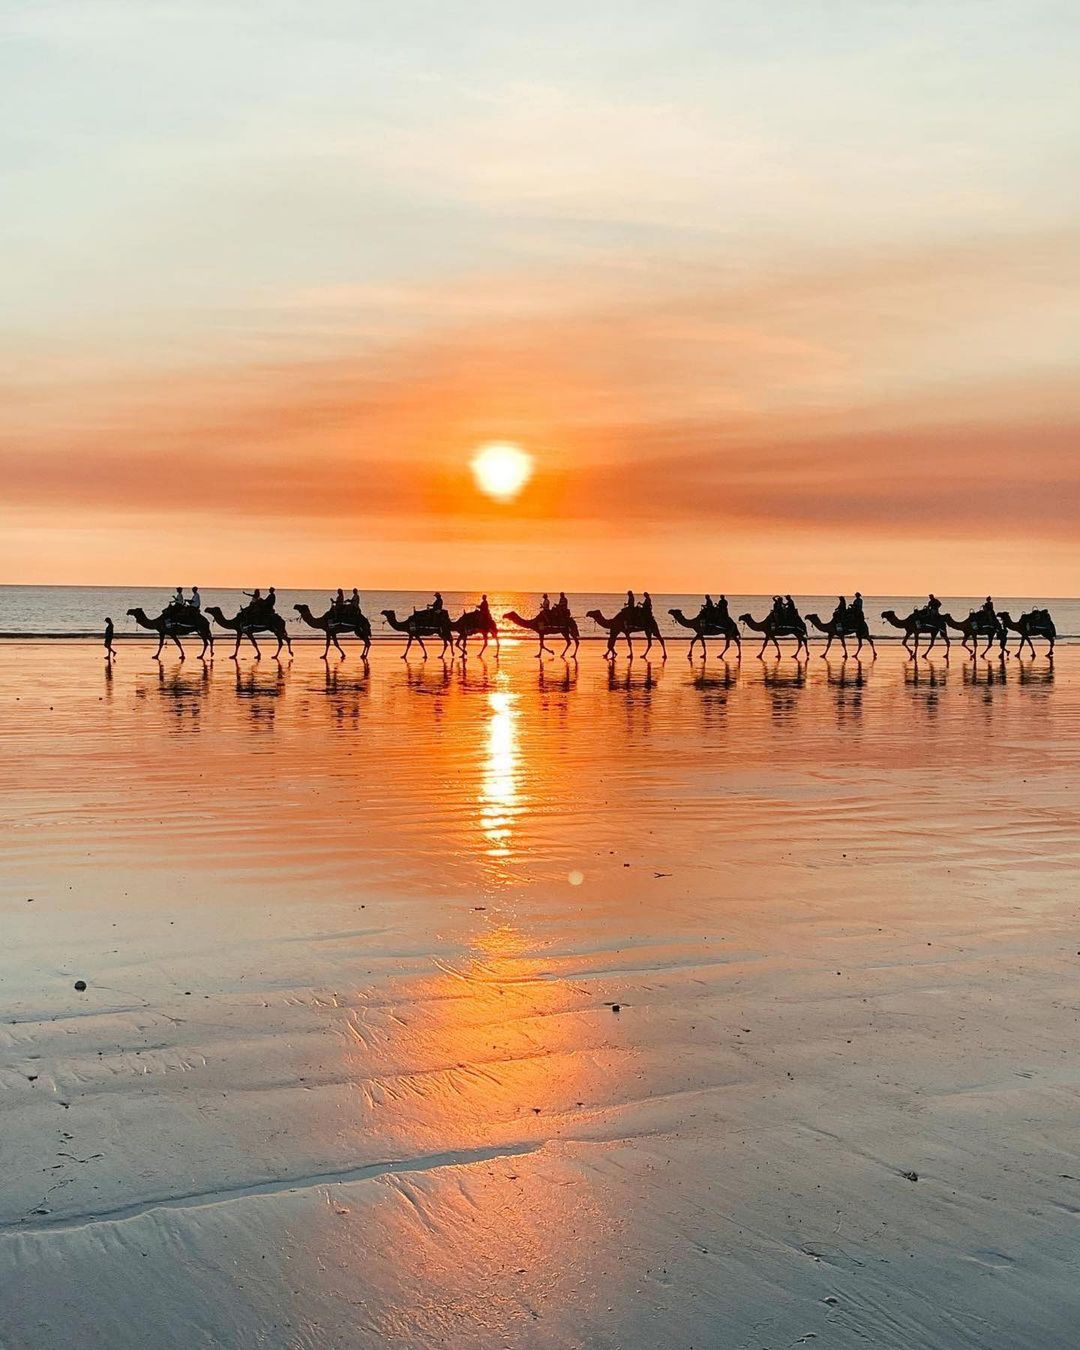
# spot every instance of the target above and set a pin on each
(646, 604)
(840, 613)
(720, 609)
(631, 603)
(178, 601)
(545, 603)
(791, 614)
(562, 608)
(484, 610)
(195, 602)
(354, 601)
(932, 606)
(855, 609)
(777, 608)
(707, 608)
(271, 599)
(987, 608)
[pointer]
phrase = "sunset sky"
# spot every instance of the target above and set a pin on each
(778, 295)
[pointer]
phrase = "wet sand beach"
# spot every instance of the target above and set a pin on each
(538, 1004)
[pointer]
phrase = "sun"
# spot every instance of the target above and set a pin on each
(501, 470)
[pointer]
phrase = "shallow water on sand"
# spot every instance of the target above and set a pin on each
(348, 1069)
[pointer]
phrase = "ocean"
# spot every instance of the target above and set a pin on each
(80, 611)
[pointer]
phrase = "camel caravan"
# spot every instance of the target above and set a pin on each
(183, 617)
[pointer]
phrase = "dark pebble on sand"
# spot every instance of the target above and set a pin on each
(80, 985)
(911, 1176)
(616, 1007)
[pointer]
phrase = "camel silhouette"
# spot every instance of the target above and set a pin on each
(1035, 623)
(544, 624)
(627, 621)
(424, 623)
(978, 625)
(704, 625)
(843, 630)
(246, 626)
(473, 624)
(919, 621)
(356, 623)
(777, 628)
(171, 628)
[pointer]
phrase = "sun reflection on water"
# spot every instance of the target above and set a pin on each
(499, 797)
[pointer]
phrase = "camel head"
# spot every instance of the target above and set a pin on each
(512, 615)
(597, 617)
(134, 613)
(890, 614)
(215, 610)
(746, 618)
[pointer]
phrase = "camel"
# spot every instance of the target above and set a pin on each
(919, 621)
(774, 628)
(473, 624)
(172, 628)
(1036, 622)
(627, 621)
(544, 624)
(420, 624)
(356, 623)
(246, 627)
(843, 630)
(712, 625)
(978, 625)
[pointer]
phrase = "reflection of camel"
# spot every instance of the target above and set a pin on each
(169, 627)
(421, 624)
(919, 621)
(709, 625)
(473, 624)
(978, 625)
(777, 628)
(356, 623)
(627, 621)
(246, 625)
(843, 630)
(544, 624)
(1035, 623)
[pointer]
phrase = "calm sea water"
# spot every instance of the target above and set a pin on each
(79, 611)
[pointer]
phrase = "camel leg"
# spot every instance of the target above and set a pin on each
(764, 644)
(179, 647)
(663, 644)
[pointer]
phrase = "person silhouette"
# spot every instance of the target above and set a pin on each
(437, 603)
(646, 604)
(195, 602)
(840, 612)
(631, 603)
(354, 600)
(109, 653)
(271, 599)
(484, 609)
(178, 599)
(721, 608)
(545, 603)
(562, 608)
(855, 609)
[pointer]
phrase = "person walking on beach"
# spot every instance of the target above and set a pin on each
(110, 654)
